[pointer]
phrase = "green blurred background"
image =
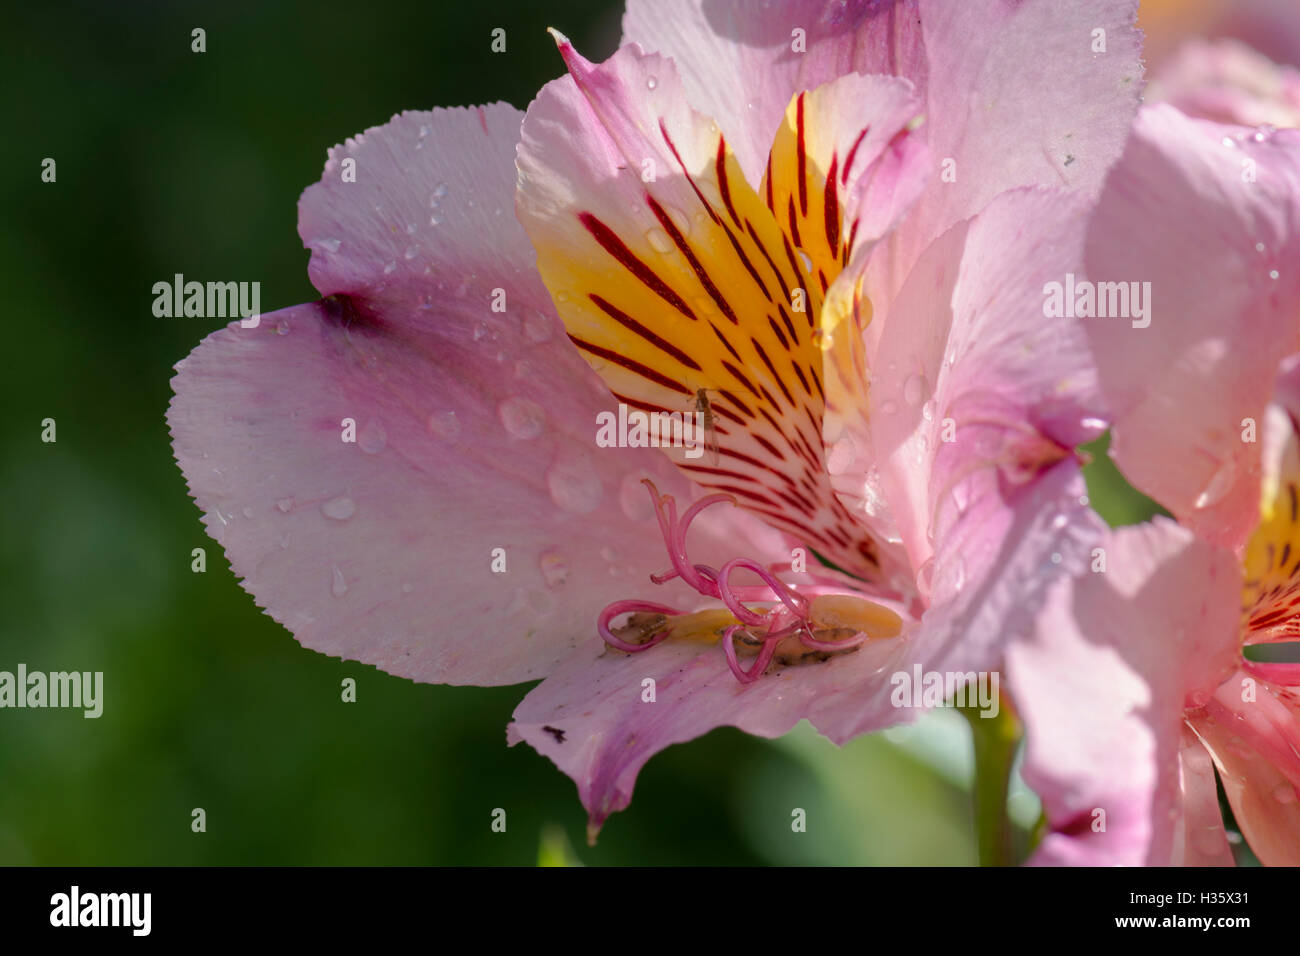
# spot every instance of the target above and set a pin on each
(171, 161)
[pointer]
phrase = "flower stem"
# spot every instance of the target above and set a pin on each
(995, 740)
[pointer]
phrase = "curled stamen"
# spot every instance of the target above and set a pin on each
(797, 605)
(760, 663)
(632, 607)
(785, 613)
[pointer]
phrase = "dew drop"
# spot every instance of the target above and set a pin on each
(444, 425)
(806, 260)
(480, 331)
(574, 484)
(1219, 485)
(340, 509)
(1284, 793)
(537, 325)
(928, 409)
(284, 505)
(949, 579)
(390, 268)
(889, 407)
(330, 245)
(282, 327)
(372, 438)
(338, 584)
(439, 192)
(521, 417)
(651, 83)
(914, 389)
(1273, 274)
(435, 220)
(248, 512)
(659, 240)
(555, 570)
(1260, 247)
(407, 587)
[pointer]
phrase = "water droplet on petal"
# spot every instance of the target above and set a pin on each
(521, 417)
(1219, 485)
(282, 327)
(338, 584)
(928, 409)
(651, 82)
(390, 268)
(284, 504)
(372, 438)
(948, 580)
(537, 325)
(407, 587)
(444, 425)
(914, 389)
(329, 245)
(889, 407)
(1273, 274)
(1260, 247)
(440, 191)
(659, 240)
(480, 332)
(1284, 793)
(806, 260)
(555, 570)
(574, 484)
(340, 509)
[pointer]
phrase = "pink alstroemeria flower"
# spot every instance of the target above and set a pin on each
(1135, 686)
(839, 258)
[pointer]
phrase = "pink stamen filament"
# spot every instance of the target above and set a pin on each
(788, 616)
(619, 608)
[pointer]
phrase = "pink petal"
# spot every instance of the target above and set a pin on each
(1177, 214)
(612, 161)
(475, 428)
(1101, 687)
(609, 730)
(1044, 96)
(737, 62)
(1254, 744)
(977, 402)
(1201, 840)
(1228, 82)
